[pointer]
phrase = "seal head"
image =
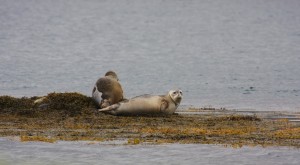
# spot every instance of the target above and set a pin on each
(112, 74)
(176, 96)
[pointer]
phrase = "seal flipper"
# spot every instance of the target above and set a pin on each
(110, 108)
(164, 105)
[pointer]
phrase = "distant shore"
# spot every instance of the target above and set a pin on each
(73, 116)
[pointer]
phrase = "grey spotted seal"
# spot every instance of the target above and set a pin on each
(146, 105)
(107, 90)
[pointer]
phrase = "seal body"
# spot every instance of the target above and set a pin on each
(107, 90)
(147, 105)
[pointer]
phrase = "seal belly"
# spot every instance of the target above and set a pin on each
(140, 106)
(97, 96)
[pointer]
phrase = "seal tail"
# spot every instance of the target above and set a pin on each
(109, 108)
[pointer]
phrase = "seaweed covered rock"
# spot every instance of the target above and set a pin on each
(8, 102)
(72, 103)
(69, 103)
(21, 106)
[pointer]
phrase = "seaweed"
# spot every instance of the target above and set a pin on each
(71, 103)
(8, 102)
(67, 103)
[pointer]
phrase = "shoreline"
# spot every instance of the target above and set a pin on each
(73, 117)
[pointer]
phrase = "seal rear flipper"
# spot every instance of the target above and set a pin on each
(109, 108)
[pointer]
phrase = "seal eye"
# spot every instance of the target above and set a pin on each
(180, 92)
(174, 92)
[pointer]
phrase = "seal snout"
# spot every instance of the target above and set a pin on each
(179, 95)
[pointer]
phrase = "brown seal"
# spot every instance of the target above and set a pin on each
(107, 90)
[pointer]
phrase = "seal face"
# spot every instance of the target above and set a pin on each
(147, 105)
(107, 90)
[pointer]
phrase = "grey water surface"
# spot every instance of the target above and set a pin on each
(237, 54)
(77, 153)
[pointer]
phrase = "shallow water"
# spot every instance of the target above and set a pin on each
(13, 152)
(221, 53)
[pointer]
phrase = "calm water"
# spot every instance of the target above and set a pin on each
(62, 153)
(221, 53)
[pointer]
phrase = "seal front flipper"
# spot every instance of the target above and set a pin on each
(164, 105)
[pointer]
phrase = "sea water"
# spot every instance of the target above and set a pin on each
(236, 54)
(78, 153)
(223, 53)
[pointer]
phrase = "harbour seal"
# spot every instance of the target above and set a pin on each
(107, 90)
(146, 105)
